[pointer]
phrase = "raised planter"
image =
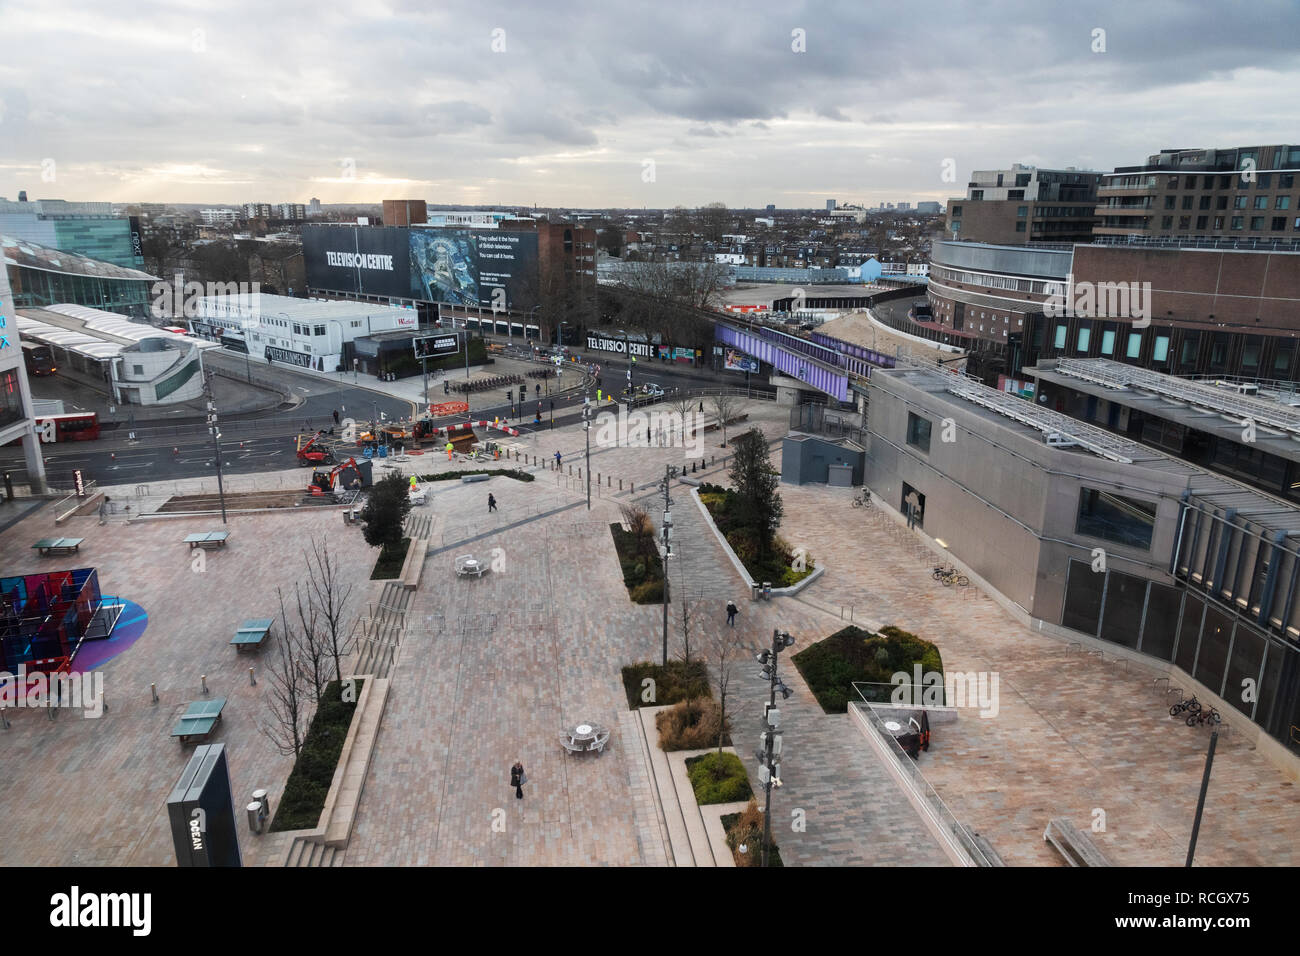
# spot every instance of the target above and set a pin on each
(740, 565)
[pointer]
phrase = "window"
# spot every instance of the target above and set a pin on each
(1170, 201)
(977, 194)
(1238, 202)
(1279, 223)
(1207, 182)
(1261, 202)
(1116, 518)
(1221, 202)
(11, 399)
(1184, 222)
(1187, 201)
(1218, 222)
(1060, 336)
(1167, 222)
(1201, 221)
(1285, 181)
(1022, 211)
(1134, 345)
(1236, 222)
(1189, 182)
(956, 211)
(1084, 336)
(1205, 202)
(1020, 227)
(1283, 202)
(320, 330)
(1264, 181)
(918, 432)
(1160, 351)
(1256, 223)
(137, 369)
(1108, 342)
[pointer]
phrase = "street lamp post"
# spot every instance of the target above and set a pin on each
(215, 430)
(666, 533)
(769, 756)
(586, 427)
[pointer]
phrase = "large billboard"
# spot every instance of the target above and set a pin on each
(738, 361)
(361, 260)
(467, 267)
(475, 267)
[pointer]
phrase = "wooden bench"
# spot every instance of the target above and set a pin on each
(252, 633)
(1073, 844)
(48, 546)
(199, 719)
(207, 540)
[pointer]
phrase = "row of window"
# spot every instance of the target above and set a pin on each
(1238, 202)
(1233, 180)
(1236, 223)
(1132, 348)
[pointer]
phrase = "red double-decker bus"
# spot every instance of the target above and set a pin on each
(78, 426)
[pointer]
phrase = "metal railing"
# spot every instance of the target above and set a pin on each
(922, 787)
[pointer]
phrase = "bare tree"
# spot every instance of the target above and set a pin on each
(725, 407)
(328, 596)
(313, 647)
(724, 650)
(287, 696)
(686, 613)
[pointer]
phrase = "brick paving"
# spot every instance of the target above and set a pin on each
(491, 670)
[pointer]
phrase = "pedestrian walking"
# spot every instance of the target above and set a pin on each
(336, 416)
(732, 610)
(449, 450)
(492, 504)
(558, 460)
(518, 778)
(701, 406)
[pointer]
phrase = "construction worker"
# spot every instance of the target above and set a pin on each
(449, 449)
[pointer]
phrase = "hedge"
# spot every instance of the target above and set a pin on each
(718, 778)
(831, 666)
(672, 684)
(313, 772)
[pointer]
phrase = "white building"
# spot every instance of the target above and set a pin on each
(308, 333)
(213, 217)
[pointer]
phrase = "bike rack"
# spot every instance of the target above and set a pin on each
(1116, 662)
(1155, 685)
(1073, 644)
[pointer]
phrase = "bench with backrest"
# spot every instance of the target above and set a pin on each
(598, 744)
(252, 633)
(207, 539)
(199, 719)
(47, 546)
(1073, 844)
(569, 744)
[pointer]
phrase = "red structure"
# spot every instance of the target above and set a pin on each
(44, 618)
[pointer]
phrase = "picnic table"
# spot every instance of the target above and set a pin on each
(199, 719)
(252, 633)
(467, 565)
(207, 539)
(585, 736)
(58, 545)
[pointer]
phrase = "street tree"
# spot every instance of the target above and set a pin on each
(287, 694)
(756, 484)
(328, 596)
(725, 407)
(385, 513)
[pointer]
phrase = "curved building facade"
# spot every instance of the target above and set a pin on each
(41, 276)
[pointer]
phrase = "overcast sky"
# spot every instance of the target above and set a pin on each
(271, 100)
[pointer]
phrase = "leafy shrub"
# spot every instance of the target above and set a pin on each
(693, 727)
(718, 778)
(672, 684)
(831, 666)
(501, 472)
(648, 592)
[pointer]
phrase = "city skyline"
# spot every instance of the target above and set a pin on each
(653, 108)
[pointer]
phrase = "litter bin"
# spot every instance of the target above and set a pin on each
(261, 797)
(767, 590)
(755, 591)
(255, 817)
(383, 451)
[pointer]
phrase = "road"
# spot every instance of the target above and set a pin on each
(264, 441)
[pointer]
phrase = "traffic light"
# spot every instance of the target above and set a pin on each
(510, 398)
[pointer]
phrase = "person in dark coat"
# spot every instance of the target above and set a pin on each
(732, 610)
(492, 503)
(518, 778)
(336, 416)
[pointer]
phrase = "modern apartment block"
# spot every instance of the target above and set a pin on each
(1025, 204)
(1247, 192)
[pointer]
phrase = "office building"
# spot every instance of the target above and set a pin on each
(40, 276)
(217, 217)
(87, 229)
(16, 410)
(929, 208)
(830, 205)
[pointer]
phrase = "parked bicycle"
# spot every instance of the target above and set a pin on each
(862, 500)
(949, 576)
(1186, 705)
(1210, 717)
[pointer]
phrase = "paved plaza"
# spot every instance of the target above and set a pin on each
(490, 670)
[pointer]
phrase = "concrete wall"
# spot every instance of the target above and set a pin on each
(1006, 503)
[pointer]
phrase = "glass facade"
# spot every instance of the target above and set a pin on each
(33, 288)
(11, 398)
(1116, 518)
(918, 432)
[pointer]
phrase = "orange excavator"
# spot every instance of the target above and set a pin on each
(353, 478)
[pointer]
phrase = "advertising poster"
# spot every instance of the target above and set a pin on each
(366, 261)
(474, 267)
(737, 361)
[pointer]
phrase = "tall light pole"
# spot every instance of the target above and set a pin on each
(586, 427)
(215, 430)
(769, 756)
(666, 533)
